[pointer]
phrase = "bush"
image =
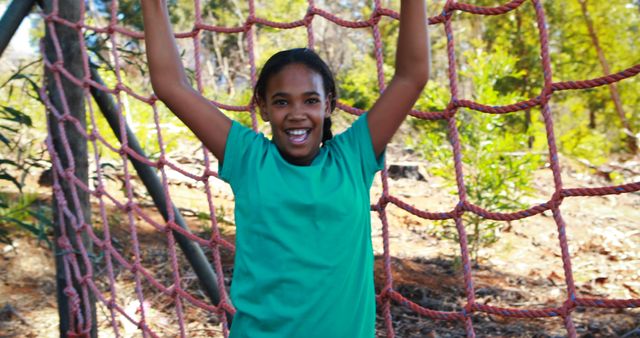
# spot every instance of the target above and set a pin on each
(20, 211)
(497, 164)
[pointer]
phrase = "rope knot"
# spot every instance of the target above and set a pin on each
(123, 150)
(92, 136)
(556, 200)
(57, 66)
(162, 161)
(98, 191)
(143, 326)
(385, 293)
(69, 173)
(208, 173)
(82, 227)
(308, 17)
(447, 10)
(66, 117)
(64, 244)
(376, 16)
(451, 108)
(169, 227)
(119, 88)
(85, 279)
(86, 81)
(567, 306)
(70, 292)
(128, 207)
(467, 310)
(382, 203)
(247, 24)
(49, 18)
(460, 208)
(152, 99)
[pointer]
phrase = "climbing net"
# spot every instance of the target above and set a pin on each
(83, 284)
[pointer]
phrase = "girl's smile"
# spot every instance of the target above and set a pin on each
(296, 105)
(298, 136)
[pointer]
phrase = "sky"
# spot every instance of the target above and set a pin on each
(19, 44)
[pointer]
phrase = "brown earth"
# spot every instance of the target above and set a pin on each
(522, 270)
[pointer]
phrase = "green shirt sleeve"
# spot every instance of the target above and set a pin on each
(356, 141)
(241, 143)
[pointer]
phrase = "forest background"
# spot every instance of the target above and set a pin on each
(498, 60)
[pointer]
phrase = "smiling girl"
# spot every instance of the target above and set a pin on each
(304, 260)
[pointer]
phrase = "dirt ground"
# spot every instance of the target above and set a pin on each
(522, 270)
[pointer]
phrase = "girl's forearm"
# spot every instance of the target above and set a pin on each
(171, 85)
(165, 66)
(412, 55)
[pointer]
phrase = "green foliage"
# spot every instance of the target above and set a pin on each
(21, 152)
(13, 123)
(359, 86)
(499, 63)
(498, 60)
(24, 214)
(615, 25)
(577, 138)
(498, 178)
(489, 72)
(497, 171)
(6, 167)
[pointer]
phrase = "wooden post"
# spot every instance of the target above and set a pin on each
(76, 304)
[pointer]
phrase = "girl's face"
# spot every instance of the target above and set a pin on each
(296, 105)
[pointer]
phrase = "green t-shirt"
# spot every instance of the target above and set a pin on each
(304, 261)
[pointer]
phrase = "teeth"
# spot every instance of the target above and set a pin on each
(297, 132)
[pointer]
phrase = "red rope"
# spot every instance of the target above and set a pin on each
(81, 318)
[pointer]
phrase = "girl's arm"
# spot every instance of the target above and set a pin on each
(171, 85)
(412, 73)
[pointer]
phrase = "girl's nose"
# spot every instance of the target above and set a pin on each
(296, 115)
(297, 111)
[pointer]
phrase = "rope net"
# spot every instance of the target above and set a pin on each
(123, 210)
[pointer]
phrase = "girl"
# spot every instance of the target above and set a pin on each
(304, 261)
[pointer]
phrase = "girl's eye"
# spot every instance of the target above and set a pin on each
(313, 101)
(279, 102)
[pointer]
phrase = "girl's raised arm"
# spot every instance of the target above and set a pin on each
(412, 73)
(171, 85)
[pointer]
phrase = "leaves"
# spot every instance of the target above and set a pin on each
(10, 114)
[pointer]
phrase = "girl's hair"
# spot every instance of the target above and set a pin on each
(308, 58)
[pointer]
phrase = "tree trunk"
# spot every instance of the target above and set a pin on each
(76, 302)
(592, 119)
(526, 90)
(632, 141)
